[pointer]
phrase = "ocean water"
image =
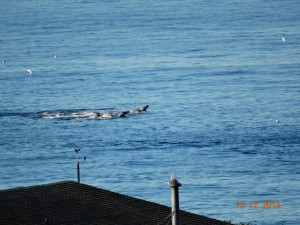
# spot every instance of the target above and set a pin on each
(222, 80)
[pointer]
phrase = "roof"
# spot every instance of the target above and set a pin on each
(71, 203)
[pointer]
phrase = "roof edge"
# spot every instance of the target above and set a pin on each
(38, 185)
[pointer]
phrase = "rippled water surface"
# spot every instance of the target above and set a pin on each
(221, 79)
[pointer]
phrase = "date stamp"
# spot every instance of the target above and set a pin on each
(265, 204)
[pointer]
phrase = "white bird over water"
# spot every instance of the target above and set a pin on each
(29, 71)
(283, 39)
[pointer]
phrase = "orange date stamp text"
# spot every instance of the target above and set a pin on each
(265, 204)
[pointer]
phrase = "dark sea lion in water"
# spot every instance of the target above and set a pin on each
(144, 108)
(141, 109)
(122, 114)
(110, 115)
(82, 114)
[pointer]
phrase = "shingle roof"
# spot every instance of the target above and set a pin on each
(71, 203)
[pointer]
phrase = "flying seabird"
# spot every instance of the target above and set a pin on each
(29, 71)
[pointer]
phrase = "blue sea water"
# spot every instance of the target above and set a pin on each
(216, 74)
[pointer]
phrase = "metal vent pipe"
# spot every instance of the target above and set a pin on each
(174, 185)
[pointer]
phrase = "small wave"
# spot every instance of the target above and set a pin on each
(3, 114)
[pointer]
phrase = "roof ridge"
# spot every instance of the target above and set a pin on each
(37, 185)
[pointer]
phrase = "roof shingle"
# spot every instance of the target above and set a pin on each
(71, 203)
